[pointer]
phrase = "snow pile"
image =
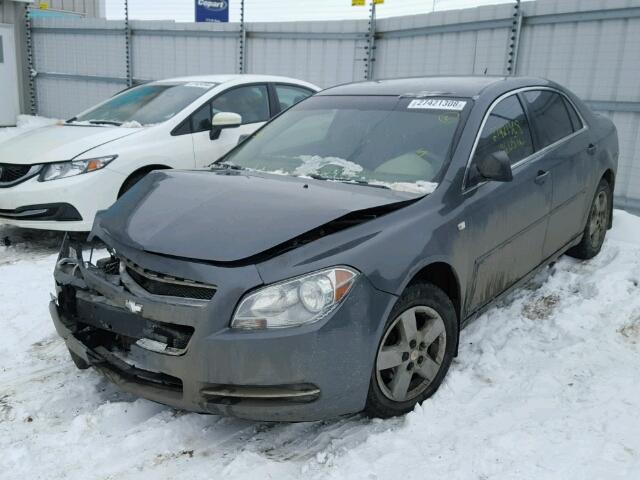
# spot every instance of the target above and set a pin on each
(25, 123)
(420, 187)
(313, 164)
(335, 167)
(547, 386)
(131, 124)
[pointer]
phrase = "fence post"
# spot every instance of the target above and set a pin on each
(514, 40)
(371, 43)
(127, 40)
(243, 40)
(33, 98)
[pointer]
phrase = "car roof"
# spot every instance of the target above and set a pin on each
(240, 78)
(453, 86)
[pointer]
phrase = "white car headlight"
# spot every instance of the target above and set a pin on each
(54, 171)
(294, 302)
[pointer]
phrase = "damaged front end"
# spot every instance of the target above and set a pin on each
(167, 337)
(110, 312)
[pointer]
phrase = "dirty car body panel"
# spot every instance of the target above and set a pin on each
(179, 235)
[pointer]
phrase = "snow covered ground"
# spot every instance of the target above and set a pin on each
(547, 385)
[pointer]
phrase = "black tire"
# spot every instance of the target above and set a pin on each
(416, 297)
(80, 363)
(597, 225)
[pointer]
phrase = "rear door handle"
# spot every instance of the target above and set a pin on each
(592, 148)
(542, 177)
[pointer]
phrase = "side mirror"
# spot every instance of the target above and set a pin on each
(223, 120)
(495, 166)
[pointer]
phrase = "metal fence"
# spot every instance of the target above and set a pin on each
(591, 46)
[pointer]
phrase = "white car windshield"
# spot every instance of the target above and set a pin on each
(398, 143)
(146, 104)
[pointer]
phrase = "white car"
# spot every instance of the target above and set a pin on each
(57, 177)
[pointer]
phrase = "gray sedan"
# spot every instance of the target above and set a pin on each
(327, 264)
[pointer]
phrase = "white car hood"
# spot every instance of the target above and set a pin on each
(57, 143)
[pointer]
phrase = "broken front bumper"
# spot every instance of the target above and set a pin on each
(179, 351)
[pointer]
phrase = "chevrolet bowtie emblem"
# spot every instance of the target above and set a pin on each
(133, 307)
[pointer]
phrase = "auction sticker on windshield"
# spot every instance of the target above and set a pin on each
(438, 104)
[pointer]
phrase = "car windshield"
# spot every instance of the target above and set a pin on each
(146, 104)
(398, 143)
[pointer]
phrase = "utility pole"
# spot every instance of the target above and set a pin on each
(243, 40)
(33, 98)
(514, 40)
(371, 42)
(127, 41)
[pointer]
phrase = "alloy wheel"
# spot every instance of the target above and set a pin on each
(599, 219)
(411, 353)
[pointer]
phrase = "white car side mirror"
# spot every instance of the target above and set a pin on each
(223, 120)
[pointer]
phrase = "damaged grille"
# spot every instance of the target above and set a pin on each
(165, 285)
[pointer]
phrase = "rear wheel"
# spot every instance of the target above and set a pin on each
(597, 224)
(415, 352)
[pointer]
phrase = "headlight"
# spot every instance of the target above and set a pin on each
(54, 171)
(294, 302)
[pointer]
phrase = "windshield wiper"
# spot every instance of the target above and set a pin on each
(105, 122)
(353, 181)
(366, 184)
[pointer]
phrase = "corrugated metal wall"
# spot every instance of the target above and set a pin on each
(169, 49)
(90, 8)
(7, 10)
(325, 53)
(591, 46)
(464, 42)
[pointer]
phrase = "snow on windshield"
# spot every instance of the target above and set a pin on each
(313, 164)
(344, 170)
(132, 124)
(421, 187)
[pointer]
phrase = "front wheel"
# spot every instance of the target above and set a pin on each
(597, 224)
(416, 350)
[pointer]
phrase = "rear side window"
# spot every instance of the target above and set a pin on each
(250, 102)
(575, 118)
(289, 95)
(550, 116)
(506, 130)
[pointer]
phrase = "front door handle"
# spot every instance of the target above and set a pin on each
(592, 148)
(542, 177)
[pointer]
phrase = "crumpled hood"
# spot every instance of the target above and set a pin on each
(231, 216)
(57, 143)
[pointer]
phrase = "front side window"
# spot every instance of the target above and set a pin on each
(289, 95)
(250, 102)
(507, 130)
(382, 141)
(201, 119)
(146, 104)
(550, 116)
